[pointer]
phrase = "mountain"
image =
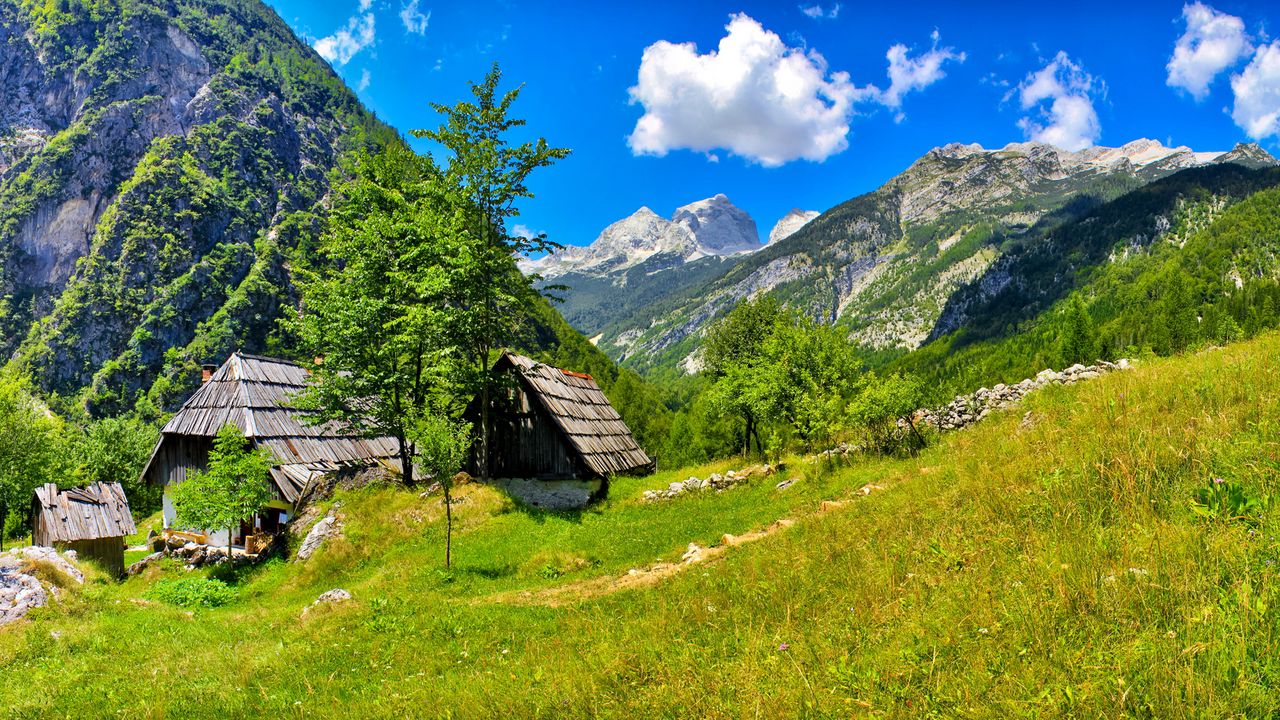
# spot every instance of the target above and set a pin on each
(162, 163)
(713, 227)
(642, 258)
(790, 223)
(886, 264)
(163, 171)
(1187, 259)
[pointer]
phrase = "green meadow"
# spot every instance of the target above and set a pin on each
(1070, 557)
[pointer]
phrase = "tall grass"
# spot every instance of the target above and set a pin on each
(1047, 568)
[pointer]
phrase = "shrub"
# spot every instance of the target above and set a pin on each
(192, 592)
(1226, 500)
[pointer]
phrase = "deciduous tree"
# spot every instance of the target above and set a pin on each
(491, 298)
(232, 489)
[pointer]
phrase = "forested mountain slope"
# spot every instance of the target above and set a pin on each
(163, 172)
(162, 163)
(1192, 258)
(886, 264)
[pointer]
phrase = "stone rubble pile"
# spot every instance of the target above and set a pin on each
(966, 410)
(21, 591)
(841, 450)
(716, 482)
(194, 555)
(191, 554)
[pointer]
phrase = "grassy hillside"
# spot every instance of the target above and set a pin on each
(1049, 564)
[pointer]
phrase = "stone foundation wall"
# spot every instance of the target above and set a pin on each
(550, 494)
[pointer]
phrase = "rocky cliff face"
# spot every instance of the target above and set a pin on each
(158, 165)
(886, 264)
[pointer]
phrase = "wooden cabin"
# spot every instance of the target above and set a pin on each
(555, 440)
(93, 521)
(256, 394)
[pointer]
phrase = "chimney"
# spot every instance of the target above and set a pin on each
(206, 373)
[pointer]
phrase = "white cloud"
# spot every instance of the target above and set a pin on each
(524, 231)
(907, 73)
(1213, 42)
(1257, 91)
(754, 96)
(1068, 120)
(817, 12)
(365, 5)
(415, 21)
(343, 45)
(365, 79)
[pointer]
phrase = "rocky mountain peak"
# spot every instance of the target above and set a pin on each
(718, 226)
(1250, 154)
(713, 227)
(788, 224)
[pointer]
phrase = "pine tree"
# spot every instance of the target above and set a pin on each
(1179, 313)
(1080, 338)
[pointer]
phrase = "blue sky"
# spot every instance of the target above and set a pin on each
(797, 107)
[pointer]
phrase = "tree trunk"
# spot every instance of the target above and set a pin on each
(406, 461)
(919, 438)
(448, 522)
(746, 439)
(484, 427)
(4, 520)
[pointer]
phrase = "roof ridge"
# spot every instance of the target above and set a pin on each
(264, 358)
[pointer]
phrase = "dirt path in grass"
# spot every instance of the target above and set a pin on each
(637, 578)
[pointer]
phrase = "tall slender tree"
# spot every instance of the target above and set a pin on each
(1080, 339)
(490, 296)
(378, 311)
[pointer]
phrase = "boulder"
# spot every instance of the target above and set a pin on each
(142, 564)
(328, 526)
(336, 595)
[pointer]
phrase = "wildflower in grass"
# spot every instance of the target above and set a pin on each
(1218, 481)
(783, 647)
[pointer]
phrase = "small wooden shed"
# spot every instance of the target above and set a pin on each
(93, 521)
(555, 439)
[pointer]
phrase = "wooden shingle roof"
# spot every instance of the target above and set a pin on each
(97, 511)
(256, 394)
(583, 414)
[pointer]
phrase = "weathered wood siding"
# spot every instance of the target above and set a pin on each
(524, 442)
(107, 552)
(177, 457)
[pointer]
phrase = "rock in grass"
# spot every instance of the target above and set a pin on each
(142, 564)
(20, 591)
(336, 595)
(328, 526)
